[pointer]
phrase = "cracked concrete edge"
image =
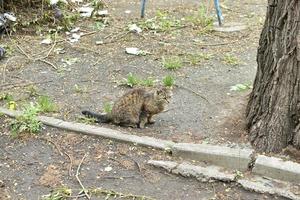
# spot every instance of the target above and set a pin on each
(263, 185)
(252, 183)
(230, 158)
(200, 173)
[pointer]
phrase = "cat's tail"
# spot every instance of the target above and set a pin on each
(100, 118)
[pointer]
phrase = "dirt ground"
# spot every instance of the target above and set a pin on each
(88, 74)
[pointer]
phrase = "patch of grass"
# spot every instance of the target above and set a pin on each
(58, 194)
(230, 59)
(132, 80)
(162, 22)
(27, 122)
(168, 81)
(98, 26)
(6, 97)
(194, 59)
(201, 20)
(108, 193)
(107, 107)
(79, 89)
(46, 104)
(149, 82)
(172, 63)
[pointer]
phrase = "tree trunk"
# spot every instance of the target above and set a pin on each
(273, 111)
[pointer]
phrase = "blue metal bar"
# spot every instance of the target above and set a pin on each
(143, 8)
(219, 12)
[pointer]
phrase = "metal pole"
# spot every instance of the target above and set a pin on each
(219, 12)
(143, 8)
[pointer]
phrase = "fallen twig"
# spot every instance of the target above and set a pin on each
(79, 181)
(47, 62)
(21, 84)
(54, 144)
(113, 193)
(192, 91)
(71, 163)
(42, 59)
(4, 70)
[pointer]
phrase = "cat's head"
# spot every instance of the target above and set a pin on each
(164, 94)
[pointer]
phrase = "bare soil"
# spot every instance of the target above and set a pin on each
(32, 166)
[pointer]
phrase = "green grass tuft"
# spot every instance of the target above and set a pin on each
(132, 80)
(172, 63)
(27, 122)
(149, 82)
(45, 104)
(230, 59)
(168, 81)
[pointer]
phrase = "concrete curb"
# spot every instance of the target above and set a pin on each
(98, 131)
(277, 168)
(208, 173)
(232, 158)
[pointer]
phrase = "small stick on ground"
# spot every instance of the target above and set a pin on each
(4, 69)
(7, 86)
(78, 179)
(192, 91)
(71, 163)
(54, 144)
(38, 59)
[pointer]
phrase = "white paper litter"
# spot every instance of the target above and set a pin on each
(134, 28)
(135, 51)
(132, 50)
(75, 37)
(46, 41)
(74, 30)
(108, 169)
(85, 11)
(53, 2)
(102, 12)
(10, 17)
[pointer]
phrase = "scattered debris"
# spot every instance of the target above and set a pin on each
(75, 30)
(127, 11)
(136, 51)
(108, 169)
(10, 17)
(5, 20)
(240, 87)
(99, 42)
(134, 28)
(46, 41)
(102, 13)
(69, 61)
(86, 11)
(75, 37)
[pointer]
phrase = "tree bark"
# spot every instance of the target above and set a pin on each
(273, 111)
